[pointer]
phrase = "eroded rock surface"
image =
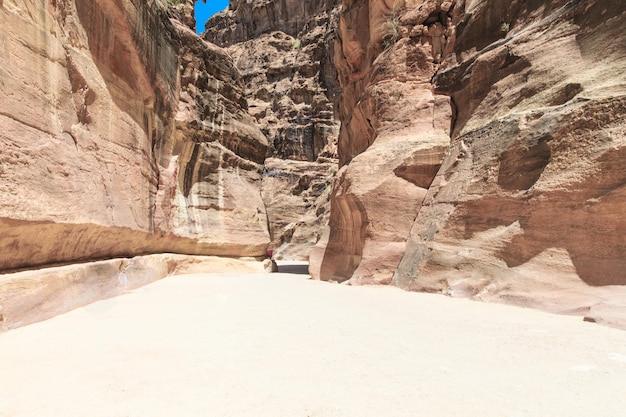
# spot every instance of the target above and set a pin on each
(488, 133)
(113, 145)
(296, 196)
(218, 152)
(525, 204)
(248, 19)
(527, 207)
(284, 51)
(394, 134)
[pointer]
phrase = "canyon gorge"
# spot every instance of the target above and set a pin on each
(473, 148)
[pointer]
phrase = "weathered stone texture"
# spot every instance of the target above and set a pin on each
(248, 19)
(219, 152)
(109, 149)
(30, 296)
(296, 196)
(284, 51)
(393, 136)
(527, 207)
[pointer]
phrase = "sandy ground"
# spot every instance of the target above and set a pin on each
(278, 345)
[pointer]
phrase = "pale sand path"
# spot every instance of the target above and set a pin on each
(280, 345)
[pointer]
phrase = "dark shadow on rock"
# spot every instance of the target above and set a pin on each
(470, 82)
(586, 220)
(301, 269)
(521, 168)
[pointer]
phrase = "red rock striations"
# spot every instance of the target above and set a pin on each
(122, 133)
(527, 207)
(480, 154)
(525, 204)
(394, 133)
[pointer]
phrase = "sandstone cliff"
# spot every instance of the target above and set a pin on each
(526, 203)
(394, 133)
(284, 50)
(122, 133)
(527, 207)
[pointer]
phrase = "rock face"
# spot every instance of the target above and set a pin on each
(284, 51)
(528, 204)
(218, 154)
(394, 133)
(122, 133)
(296, 195)
(481, 149)
(248, 19)
(525, 206)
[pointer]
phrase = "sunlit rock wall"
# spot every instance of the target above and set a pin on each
(122, 133)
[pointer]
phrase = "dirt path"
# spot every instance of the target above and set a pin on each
(283, 346)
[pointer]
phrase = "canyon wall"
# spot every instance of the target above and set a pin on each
(284, 50)
(528, 204)
(481, 151)
(123, 133)
(393, 136)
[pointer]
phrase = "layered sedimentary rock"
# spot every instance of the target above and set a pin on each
(217, 151)
(122, 133)
(394, 133)
(284, 51)
(528, 205)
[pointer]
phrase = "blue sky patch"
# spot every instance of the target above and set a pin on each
(205, 10)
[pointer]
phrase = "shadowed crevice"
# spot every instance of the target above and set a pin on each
(293, 268)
